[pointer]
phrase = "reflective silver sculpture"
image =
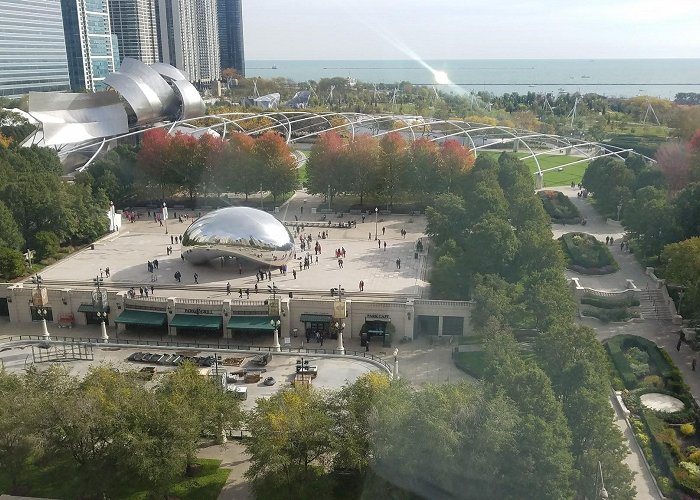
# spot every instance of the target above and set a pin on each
(240, 232)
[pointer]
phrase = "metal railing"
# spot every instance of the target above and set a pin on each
(220, 344)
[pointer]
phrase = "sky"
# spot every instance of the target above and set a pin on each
(468, 29)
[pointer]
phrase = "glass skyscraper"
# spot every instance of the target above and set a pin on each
(32, 47)
(230, 18)
(188, 32)
(89, 43)
(134, 22)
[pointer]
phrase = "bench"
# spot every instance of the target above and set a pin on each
(66, 320)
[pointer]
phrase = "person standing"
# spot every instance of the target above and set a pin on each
(228, 288)
(694, 363)
(383, 231)
(196, 278)
(379, 243)
(153, 290)
(294, 273)
(385, 246)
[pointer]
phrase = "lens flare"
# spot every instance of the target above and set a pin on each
(441, 77)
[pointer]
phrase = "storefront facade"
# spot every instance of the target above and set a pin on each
(227, 318)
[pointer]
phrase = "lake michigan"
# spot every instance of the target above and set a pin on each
(610, 77)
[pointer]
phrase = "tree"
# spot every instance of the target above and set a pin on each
(278, 172)
(673, 159)
(291, 444)
(649, 218)
(392, 164)
(456, 161)
(185, 163)
(491, 246)
(686, 211)
(446, 218)
(424, 165)
(46, 244)
(10, 235)
(682, 267)
(362, 162)
(495, 298)
(240, 171)
(576, 363)
(323, 167)
(548, 298)
(352, 408)
(154, 160)
(11, 263)
(611, 181)
(18, 418)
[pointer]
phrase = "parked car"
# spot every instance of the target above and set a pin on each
(166, 360)
(269, 381)
(135, 356)
(176, 360)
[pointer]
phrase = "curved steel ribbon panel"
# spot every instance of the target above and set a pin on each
(239, 232)
(142, 99)
(72, 118)
(191, 103)
(169, 72)
(150, 77)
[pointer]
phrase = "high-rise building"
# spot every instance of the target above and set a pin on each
(134, 23)
(89, 43)
(32, 47)
(189, 37)
(231, 35)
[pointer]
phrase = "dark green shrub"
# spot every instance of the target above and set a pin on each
(46, 244)
(614, 347)
(607, 315)
(12, 263)
(559, 207)
(587, 253)
(606, 303)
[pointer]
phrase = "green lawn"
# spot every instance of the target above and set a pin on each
(471, 362)
(55, 480)
(573, 173)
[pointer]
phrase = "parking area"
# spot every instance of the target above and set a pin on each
(332, 373)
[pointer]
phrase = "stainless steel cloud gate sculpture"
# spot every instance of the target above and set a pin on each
(240, 232)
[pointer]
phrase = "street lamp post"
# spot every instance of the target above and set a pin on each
(261, 198)
(340, 327)
(395, 374)
(329, 196)
(112, 226)
(376, 214)
(602, 493)
(276, 338)
(41, 311)
(98, 301)
(165, 217)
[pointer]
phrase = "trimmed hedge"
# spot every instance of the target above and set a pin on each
(618, 314)
(658, 361)
(606, 303)
(588, 254)
(559, 207)
(471, 362)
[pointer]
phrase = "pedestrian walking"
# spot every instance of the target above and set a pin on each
(145, 291)
(678, 345)
(385, 246)
(153, 289)
(107, 273)
(240, 269)
(240, 293)
(612, 240)
(256, 288)
(383, 231)
(172, 239)
(196, 278)
(607, 240)
(398, 263)
(247, 293)
(694, 363)
(141, 293)
(294, 273)
(370, 235)
(379, 243)
(228, 288)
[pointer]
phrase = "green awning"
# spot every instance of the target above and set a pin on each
(196, 321)
(316, 318)
(89, 308)
(260, 323)
(136, 317)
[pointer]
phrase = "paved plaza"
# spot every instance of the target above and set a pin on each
(127, 252)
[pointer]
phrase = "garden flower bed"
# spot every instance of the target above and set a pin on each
(587, 255)
(559, 207)
(667, 439)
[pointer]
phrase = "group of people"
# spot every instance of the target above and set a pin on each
(175, 239)
(152, 265)
(143, 291)
(609, 240)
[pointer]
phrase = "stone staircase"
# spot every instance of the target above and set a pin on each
(652, 305)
